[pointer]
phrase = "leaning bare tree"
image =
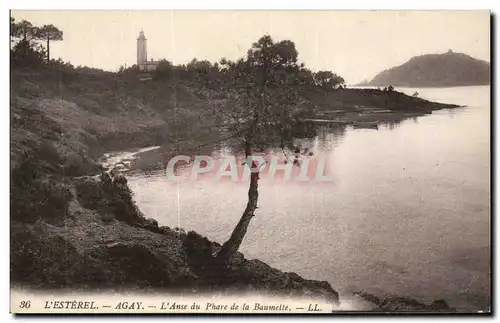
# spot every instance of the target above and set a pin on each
(262, 98)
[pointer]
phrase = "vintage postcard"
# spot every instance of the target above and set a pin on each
(250, 162)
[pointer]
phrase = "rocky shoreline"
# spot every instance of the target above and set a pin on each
(105, 243)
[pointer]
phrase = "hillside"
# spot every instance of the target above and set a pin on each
(436, 70)
(84, 114)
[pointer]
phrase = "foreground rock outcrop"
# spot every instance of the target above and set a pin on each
(105, 243)
(249, 275)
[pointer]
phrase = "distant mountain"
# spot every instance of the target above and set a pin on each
(436, 70)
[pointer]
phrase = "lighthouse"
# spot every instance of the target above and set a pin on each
(142, 56)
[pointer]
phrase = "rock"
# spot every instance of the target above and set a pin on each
(165, 230)
(295, 277)
(322, 289)
(263, 276)
(134, 263)
(199, 251)
(243, 274)
(237, 260)
(151, 225)
(40, 255)
(152, 221)
(405, 304)
(181, 233)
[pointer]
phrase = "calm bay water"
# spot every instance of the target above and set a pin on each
(408, 212)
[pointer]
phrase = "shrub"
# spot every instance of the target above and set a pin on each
(37, 188)
(34, 197)
(111, 197)
(78, 165)
(46, 151)
(72, 164)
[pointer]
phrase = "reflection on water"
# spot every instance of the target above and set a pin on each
(407, 212)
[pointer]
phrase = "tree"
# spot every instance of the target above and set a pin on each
(258, 108)
(328, 79)
(22, 35)
(279, 59)
(262, 103)
(23, 30)
(284, 54)
(25, 54)
(48, 33)
(259, 55)
(24, 50)
(305, 76)
(24, 41)
(338, 81)
(124, 70)
(199, 69)
(13, 30)
(323, 78)
(163, 70)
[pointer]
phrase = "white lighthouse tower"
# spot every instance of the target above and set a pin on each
(142, 56)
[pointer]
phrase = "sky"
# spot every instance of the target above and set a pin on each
(357, 45)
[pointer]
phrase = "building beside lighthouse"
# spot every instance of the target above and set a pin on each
(142, 55)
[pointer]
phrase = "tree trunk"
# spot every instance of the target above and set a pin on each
(232, 245)
(25, 45)
(48, 49)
